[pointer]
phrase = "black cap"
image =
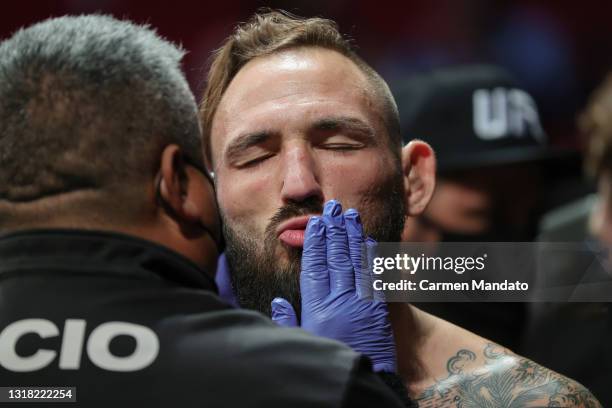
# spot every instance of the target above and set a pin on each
(473, 116)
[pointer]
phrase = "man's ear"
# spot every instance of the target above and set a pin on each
(419, 168)
(180, 187)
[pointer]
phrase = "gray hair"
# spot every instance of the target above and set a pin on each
(88, 102)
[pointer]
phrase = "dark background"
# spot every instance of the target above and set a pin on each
(559, 49)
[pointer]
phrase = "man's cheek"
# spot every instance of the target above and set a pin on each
(352, 192)
(245, 222)
(358, 174)
(236, 196)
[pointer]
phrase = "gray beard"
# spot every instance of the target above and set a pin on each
(257, 275)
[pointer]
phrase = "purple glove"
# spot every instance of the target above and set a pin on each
(224, 281)
(334, 284)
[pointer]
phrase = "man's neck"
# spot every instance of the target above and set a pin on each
(410, 331)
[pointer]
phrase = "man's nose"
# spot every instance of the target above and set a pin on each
(300, 176)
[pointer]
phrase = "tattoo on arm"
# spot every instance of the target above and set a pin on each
(505, 380)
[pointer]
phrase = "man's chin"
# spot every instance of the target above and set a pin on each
(287, 256)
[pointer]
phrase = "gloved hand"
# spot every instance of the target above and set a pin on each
(334, 285)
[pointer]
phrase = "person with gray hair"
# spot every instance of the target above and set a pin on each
(109, 236)
(86, 105)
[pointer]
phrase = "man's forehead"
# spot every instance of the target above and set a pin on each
(292, 71)
(304, 76)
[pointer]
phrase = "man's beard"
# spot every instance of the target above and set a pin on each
(257, 274)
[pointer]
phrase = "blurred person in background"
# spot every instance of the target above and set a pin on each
(582, 332)
(292, 118)
(492, 155)
(490, 148)
(596, 123)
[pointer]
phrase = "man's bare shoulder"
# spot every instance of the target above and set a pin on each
(460, 369)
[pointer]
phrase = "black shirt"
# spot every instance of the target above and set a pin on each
(131, 323)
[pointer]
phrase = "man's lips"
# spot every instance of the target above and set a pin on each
(291, 232)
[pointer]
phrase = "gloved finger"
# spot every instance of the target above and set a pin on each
(314, 278)
(224, 281)
(341, 273)
(357, 251)
(371, 247)
(283, 313)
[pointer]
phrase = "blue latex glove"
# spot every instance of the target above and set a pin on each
(334, 285)
(224, 281)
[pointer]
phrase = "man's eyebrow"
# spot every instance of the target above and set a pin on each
(244, 141)
(351, 124)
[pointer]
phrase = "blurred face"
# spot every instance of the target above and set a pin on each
(494, 203)
(294, 130)
(601, 217)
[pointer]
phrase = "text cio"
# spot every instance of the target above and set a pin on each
(145, 352)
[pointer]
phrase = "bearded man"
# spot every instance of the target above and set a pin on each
(292, 119)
